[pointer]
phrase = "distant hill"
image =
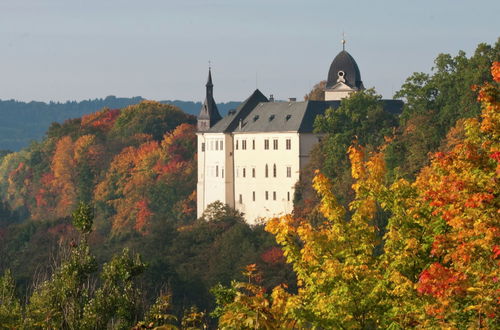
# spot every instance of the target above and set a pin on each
(23, 122)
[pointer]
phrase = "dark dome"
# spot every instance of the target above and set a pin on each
(344, 65)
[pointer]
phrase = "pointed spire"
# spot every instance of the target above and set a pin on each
(209, 80)
(209, 114)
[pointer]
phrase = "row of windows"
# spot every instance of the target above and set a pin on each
(243, 171)
(288, 144)
(267, 195)
(213, 145)
(216, 171)
(219, 145)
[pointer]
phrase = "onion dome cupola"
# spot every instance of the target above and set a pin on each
(209, 114)
(344, 77)
(344, 69)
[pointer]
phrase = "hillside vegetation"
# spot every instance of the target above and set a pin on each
(24, 122)
(395, 224)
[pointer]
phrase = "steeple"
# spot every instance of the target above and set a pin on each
(209, 81)
(344, 76)
(209, 114)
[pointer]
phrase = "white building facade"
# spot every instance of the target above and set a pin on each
(251, 159)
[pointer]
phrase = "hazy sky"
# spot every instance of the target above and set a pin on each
(159, 49)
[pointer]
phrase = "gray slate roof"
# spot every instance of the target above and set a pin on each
(257, 114)
(231, 121)
(285, 116)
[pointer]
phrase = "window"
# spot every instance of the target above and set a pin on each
(236, 144)
(266, 144)
(216, 145)
(274, 195)
(288, 144)
(275, 144)
(267, 195)
(253, 144)
(253, 196)
(203, 146)
(244, 144)
(253, 172)
(222, 172)
(288, 196)
(244, 172)
(217, 170)
(288, 171)
(241, 198)
(267, 171)
(274, 170)
(221, 147)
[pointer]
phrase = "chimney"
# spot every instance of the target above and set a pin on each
(271, 98)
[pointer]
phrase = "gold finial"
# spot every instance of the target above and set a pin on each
(343, 40)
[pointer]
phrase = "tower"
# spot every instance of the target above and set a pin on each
(209, 114)
(343, 77)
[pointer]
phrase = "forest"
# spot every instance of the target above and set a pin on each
(395, 225)
(23, 122)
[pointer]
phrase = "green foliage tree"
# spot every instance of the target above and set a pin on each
(149, 117)
(83, 218)
(59, 301)
(433, 104)
(10, 308)
(116, 303)
(360, 117)
(159, 314)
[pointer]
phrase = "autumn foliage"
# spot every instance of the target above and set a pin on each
(133, 178)
(433, 264)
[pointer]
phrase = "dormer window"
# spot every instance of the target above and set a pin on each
(341, 76)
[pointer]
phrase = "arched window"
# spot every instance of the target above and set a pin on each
(274, 170)
(267, 171)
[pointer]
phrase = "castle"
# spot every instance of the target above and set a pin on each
(251, 159)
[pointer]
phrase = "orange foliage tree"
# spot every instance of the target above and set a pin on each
(152, 179)
(434, 265)
(461, 190)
